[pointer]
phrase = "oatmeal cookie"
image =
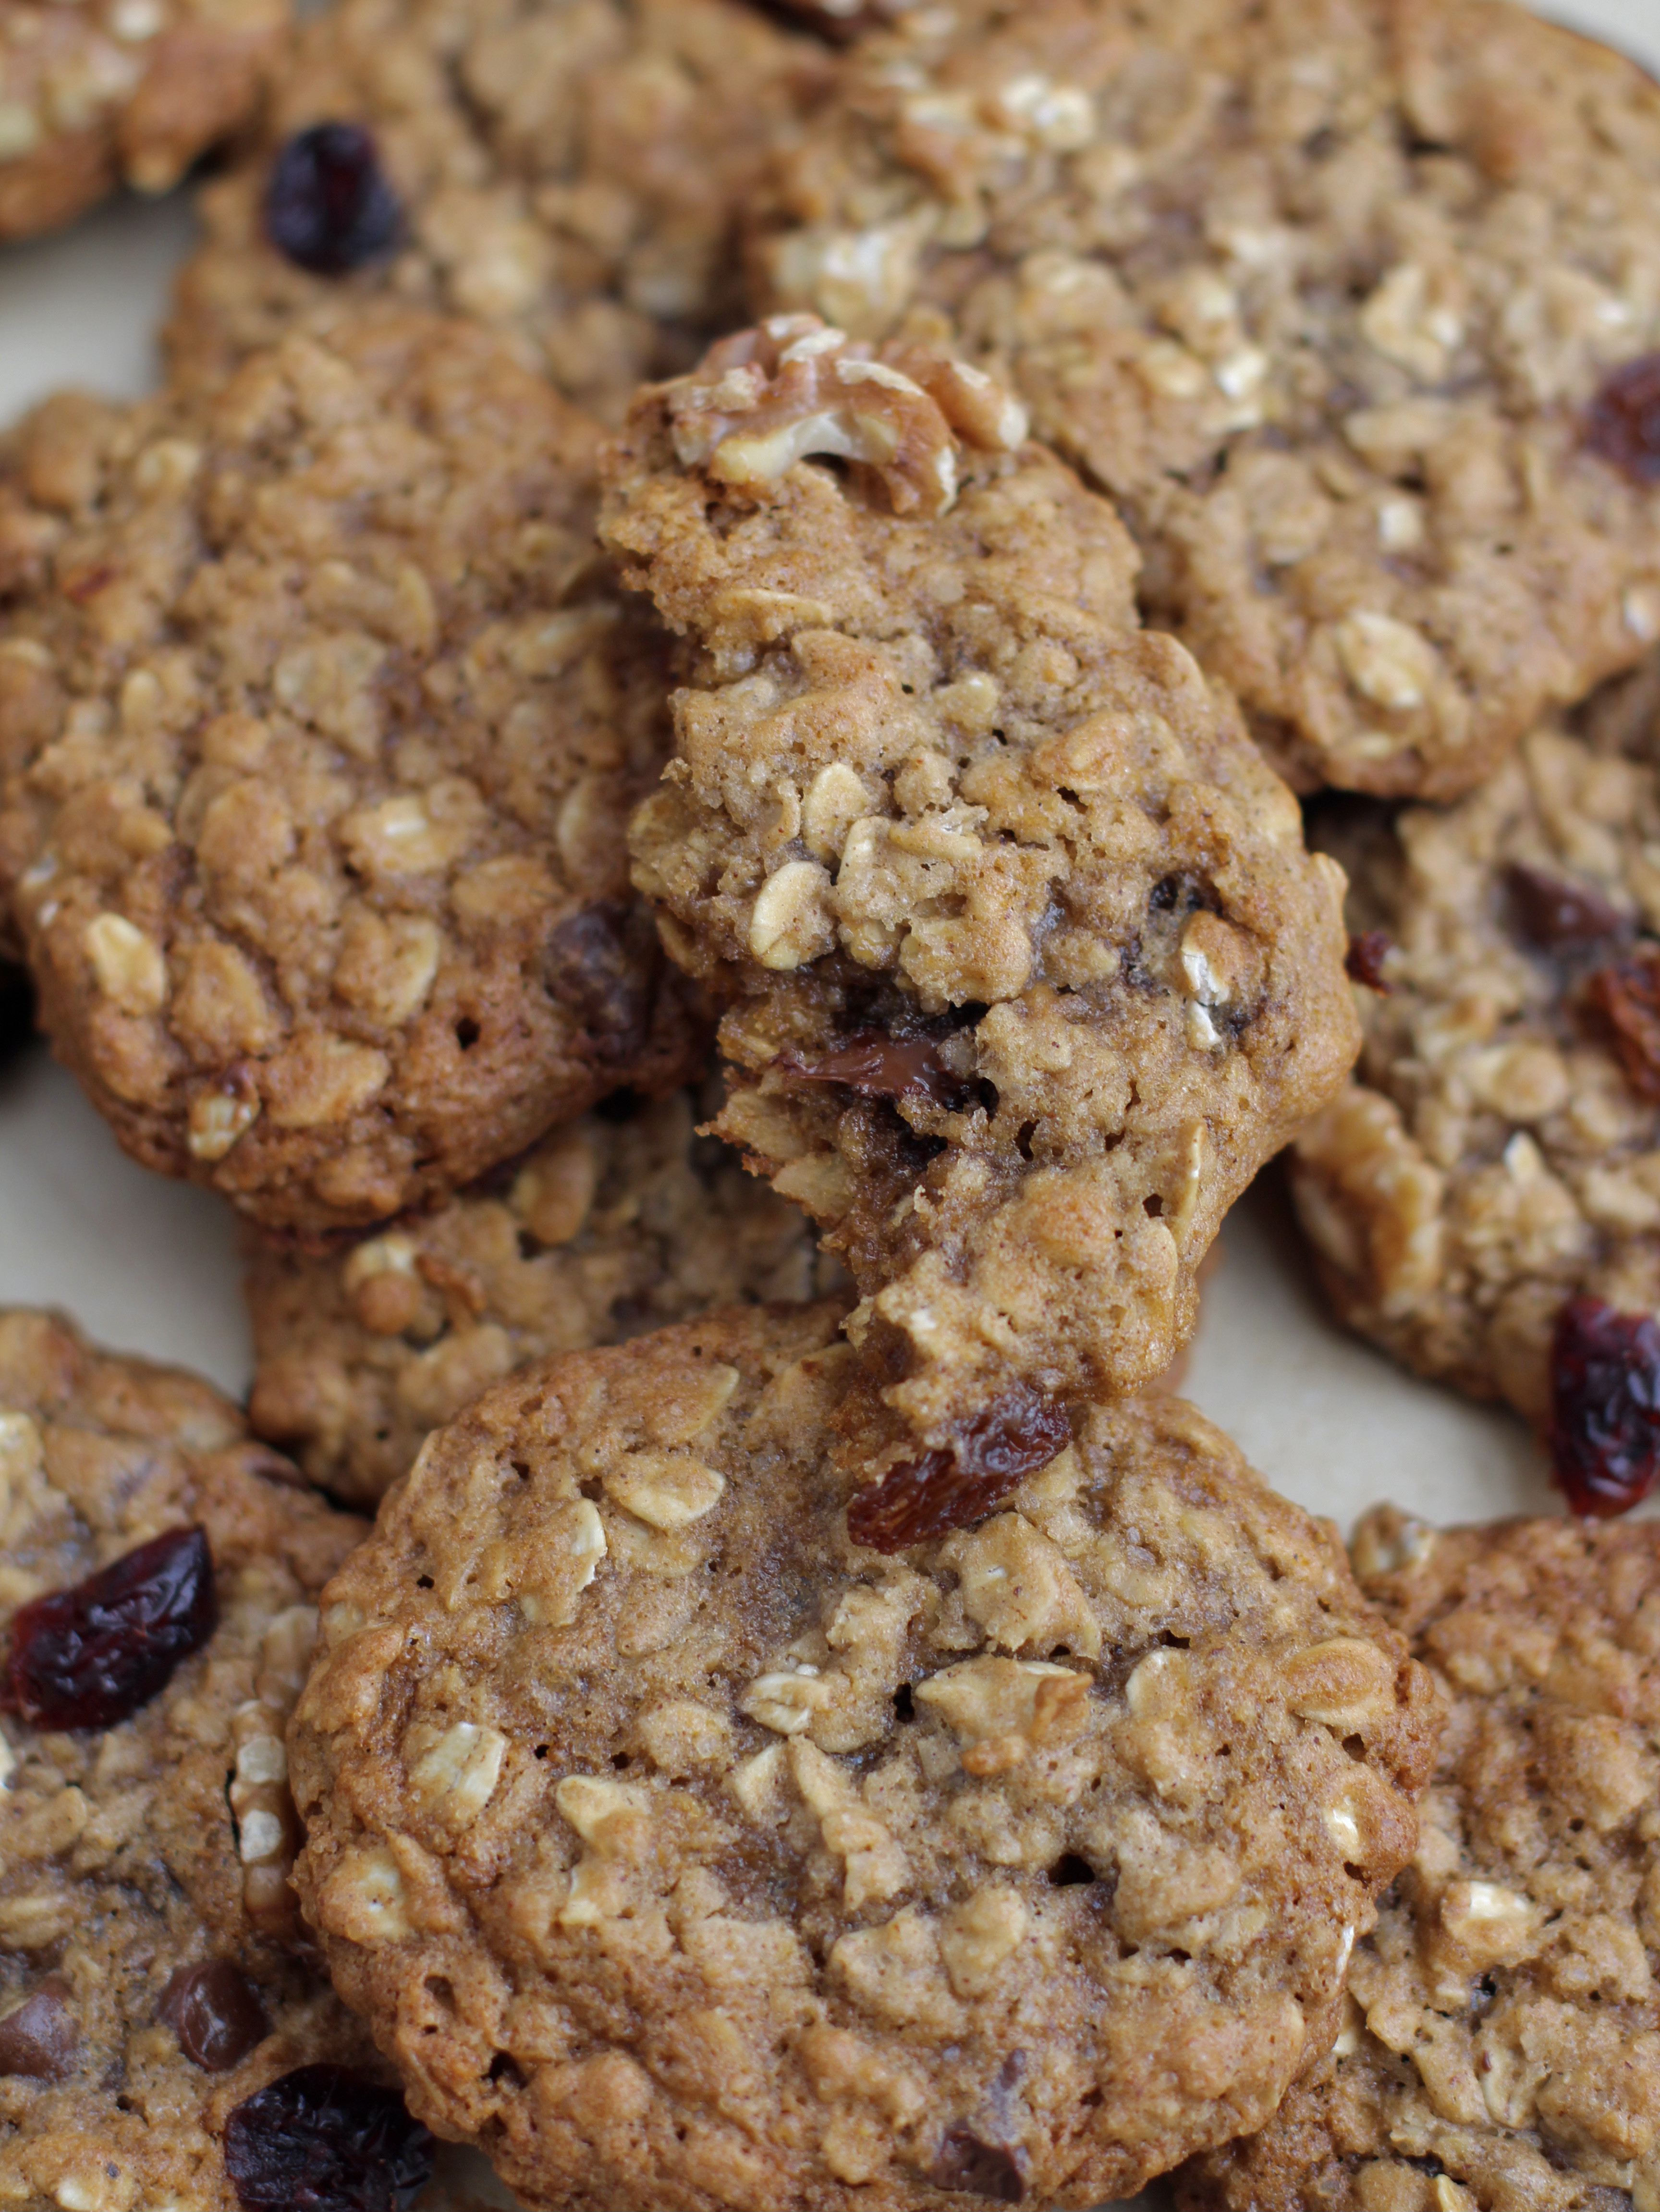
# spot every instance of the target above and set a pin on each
(320, 722)
(1502, 2047)
(608, 1228)
(95, 93)
(569, 169)
(1499, 1157)
(153, 2013)
(682, 1851)
(1348, 302)
(1028, 970)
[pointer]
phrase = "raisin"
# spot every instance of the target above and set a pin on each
(971, 2168)
(1627, 993)
(600, 964)
(1559, 916)
(215, 2011)
(1364, 962)
(877, 1066)
(1604, 1433)
(1624, 424)
(88, 1656)
(328, 205)
(946, 1488)
(322, 2139)
(39, 2039)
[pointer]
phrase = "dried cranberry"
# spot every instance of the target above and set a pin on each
(877, 1066)
(970, 2167)
(87, 1656)
(1624, 423)
(922, 1498)
(322, 2139)
(1364, 962)
(328, 205)
(1627, 993)
(1559, 916)
(1604, 1433)
(215, 2011)
(39, 2039)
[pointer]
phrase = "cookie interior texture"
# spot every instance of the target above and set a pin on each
(163, 1842)
(614, 1225)
(319, 727)
(1028, 970)
(1502, 2048)
(1500, 1152)
(97, 97)
(1324, 292)
(569, 170)
(678, 1849)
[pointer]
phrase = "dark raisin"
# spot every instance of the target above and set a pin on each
(877, 1066)
(39, 2038)
(215, 2011)
(322, 2139)
(1627, 993)
(1604, 1433)
(601, 963)
(1624, 423)
(17, 1009)
(1364, 962)
(328, 205)
(87, 1656)
(971, 2168)
(946, 1488)
(1559, 916)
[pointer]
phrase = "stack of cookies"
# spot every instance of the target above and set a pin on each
(670, 756)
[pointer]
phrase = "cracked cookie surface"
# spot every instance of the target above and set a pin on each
(608, 1228)
(145, 1863)
(1499, 1152)
(678, 1848)
(1502, 2046)
(571, 170)
(319, 727)
(97, 93)
(1027, 968)
(1327, 292)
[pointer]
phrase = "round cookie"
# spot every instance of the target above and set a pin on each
(571, 170)
(148, 1990)
(319, 723)
(1028, 969)
(679, 1850)
(1350, 303)
(1500, 1154)
(94, 93)
(1502, 2048)
(608, 1228)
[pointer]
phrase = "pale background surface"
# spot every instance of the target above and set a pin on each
(152, 1266)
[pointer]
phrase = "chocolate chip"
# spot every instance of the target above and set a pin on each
(1364, 962)
(215, 2011)
(39, 2038)
(328, 205)
(1623, 426)
(1627, 993)
(877, 1066)
(1559, 915)
(948, 1487)
(972, 2168)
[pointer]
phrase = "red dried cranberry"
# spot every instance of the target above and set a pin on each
(328, 205)
(1624, 423)
(970, 2167)
(87, 1656)
(877, 1066)
(1558, 915)
(1627, 993)
(922, 1498)
(322, 2139)
(39, 2039)
(215, 2011)
(1364, 962)
(1604, 1433)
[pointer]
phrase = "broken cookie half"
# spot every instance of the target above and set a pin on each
(1025, 966)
